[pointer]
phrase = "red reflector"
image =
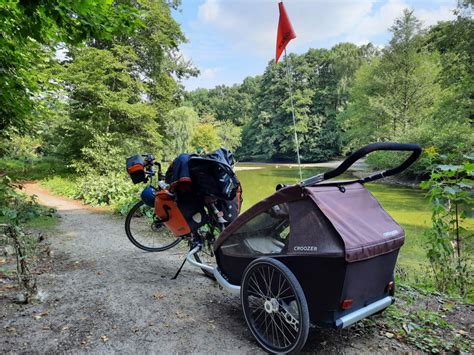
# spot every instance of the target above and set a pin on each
(346, 304)
(389, 286)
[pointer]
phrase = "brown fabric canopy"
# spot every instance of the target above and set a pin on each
(345, 210)
(365, 227)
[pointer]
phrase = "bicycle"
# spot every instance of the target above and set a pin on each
(148, 232)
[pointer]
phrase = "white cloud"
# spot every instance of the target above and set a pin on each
(209, 10)
(377, 22)
(251, 25)
(429, 18)
(209, 73)
(231, 39)
(208, 78)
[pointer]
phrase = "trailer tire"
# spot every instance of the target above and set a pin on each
(274, 306)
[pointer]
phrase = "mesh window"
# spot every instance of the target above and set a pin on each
(265, 234)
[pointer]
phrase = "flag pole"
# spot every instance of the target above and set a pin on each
(288, 75)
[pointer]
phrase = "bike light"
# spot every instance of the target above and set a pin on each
(346, 304)
(389, 286)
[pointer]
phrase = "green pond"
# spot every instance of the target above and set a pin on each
(407, 206)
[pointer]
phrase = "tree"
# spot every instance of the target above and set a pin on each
(453, 41)
(106, 96)
(395, 93)
(131, 90)
(408, 74)
(31, 30)
(159, 62)
(229, 135)
(205, 136)
(235, 103)
(320, 83)
(180, 124)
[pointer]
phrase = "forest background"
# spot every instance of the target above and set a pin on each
(85, 84)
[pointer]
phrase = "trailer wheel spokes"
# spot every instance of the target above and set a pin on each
(274, 306)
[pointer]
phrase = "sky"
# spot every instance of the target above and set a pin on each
(232, 39)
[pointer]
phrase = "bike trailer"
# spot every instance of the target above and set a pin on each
(136, 168)
(333, 237)
(320, 252)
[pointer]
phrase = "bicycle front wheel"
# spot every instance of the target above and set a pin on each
(145, 230)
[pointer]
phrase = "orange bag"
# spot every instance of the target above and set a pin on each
(168, 211)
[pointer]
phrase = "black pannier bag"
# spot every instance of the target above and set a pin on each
(192, 209)
(230, 208)
(196, 179)
(213, 174)
(136, 169)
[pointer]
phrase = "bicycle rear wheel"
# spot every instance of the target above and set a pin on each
(145, 230)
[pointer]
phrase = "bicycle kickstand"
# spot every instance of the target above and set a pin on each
(179, 270)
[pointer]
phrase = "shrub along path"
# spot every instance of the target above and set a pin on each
(103, 294)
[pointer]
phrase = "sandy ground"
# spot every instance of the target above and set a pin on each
(104, 295)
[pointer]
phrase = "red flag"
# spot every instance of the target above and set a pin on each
(285, 31)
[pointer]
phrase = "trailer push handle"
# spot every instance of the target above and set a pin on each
(346, 164)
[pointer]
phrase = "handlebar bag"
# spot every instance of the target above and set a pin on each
(136, 168)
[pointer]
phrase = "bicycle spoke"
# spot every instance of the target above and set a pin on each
(254, 280)
(290, 329)
(281, 332)
(284, 326)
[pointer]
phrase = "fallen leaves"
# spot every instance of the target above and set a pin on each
(135, 329)
(180, 315)
(389, 335)
(41, 315)
(11, 329)
(158, 296)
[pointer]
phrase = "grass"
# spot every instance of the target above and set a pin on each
(52, 173)
(65, 185)
(45, 223)
(37, 169)
(431, 322)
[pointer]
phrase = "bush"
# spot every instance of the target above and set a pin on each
(114, 189)
(451, 194)
(102, 176)
(18, 208)
(35, 169)
(24, 148)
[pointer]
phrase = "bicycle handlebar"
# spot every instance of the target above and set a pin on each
(346, 164)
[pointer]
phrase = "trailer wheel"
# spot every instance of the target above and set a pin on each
(274, 306)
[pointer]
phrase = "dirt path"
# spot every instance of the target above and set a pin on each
(104, 295)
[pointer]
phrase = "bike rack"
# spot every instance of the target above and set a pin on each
(234, 289)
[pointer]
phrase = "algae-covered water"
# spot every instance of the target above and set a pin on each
(407, 206)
